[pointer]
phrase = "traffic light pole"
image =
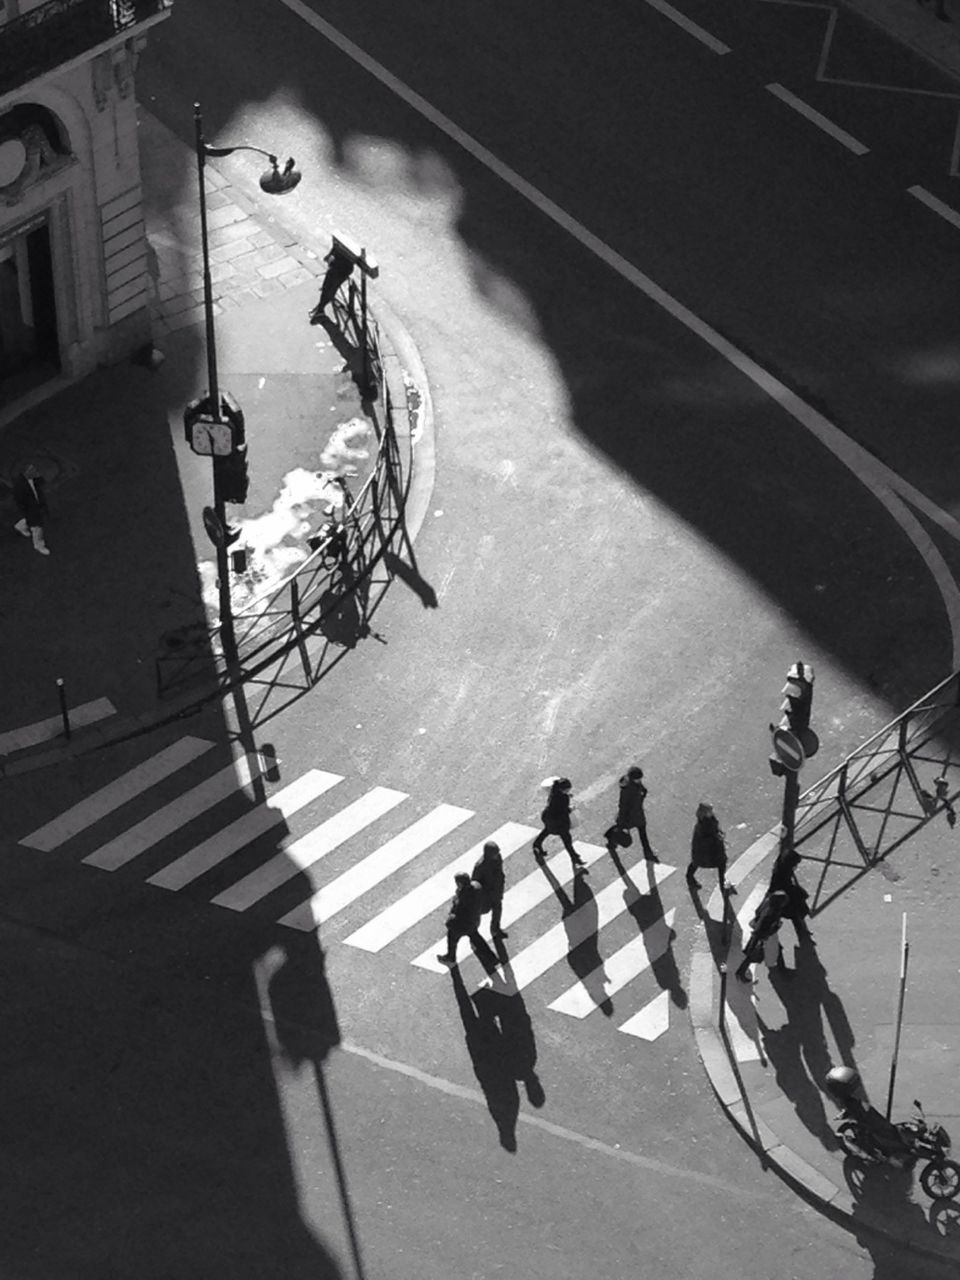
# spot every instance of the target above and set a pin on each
(788, 817)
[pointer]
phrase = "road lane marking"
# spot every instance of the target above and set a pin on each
(339, 893)
(652, 1021)
(622, 967)
(688, 25)
(821, 121)
(29, 735)
(938, 206)
(101, 803)
(582, 924)
(274, 812)
(433, 893)
(129, 844)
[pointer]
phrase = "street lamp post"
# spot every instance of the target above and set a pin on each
(215, 410)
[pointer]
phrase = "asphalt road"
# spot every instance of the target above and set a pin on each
(629, 541)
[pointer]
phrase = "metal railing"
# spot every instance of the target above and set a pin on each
(335, 577)
(887, 789)
(55, 32)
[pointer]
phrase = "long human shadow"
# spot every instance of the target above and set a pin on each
(487, 1047)
(583, 953)
(646, 908)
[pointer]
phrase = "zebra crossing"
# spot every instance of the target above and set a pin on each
(297, 859)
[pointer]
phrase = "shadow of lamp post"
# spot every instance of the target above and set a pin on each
(213, 423)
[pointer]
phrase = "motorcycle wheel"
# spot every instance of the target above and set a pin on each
(941, 1179)
(848, 1135)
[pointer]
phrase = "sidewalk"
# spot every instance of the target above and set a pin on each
(916, 25)
(768, 1045)
(132, 572)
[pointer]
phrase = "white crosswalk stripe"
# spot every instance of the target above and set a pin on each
(543, 940)
(309, 849)
(383, 862)
(277, 809)
(433, 893)
(150, 831)
(101, 803)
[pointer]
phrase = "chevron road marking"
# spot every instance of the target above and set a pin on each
(101, 803)
(277, 809)
(144, 835)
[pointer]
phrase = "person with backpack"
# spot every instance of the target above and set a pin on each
(557, 819)
(464, 917)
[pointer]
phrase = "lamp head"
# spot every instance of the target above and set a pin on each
(277, 182)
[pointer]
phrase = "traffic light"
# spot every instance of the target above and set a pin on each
(798, 699)
(231, 476)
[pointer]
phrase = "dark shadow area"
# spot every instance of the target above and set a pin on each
(410, 575)
(646, 908)
(883, 1193)
(583, 937)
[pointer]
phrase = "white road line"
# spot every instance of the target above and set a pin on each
(688, 25)
(622, 967)
(303, 853)
(29, 735)
(144, 835)
(365, 875)
(521, 898)
(255, 822)
(931, 201)
(839, 135)
(879, 479)
(434, 892)
(651, 1021)
(103, 802)
(565, 936)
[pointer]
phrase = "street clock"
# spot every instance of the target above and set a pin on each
(211, 438)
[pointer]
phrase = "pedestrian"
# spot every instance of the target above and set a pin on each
(784, 877)
(630, 811)
(557, 819)
(763, 940)
(708, 848)
(28, 494)
(488, 874)
(464, 917)
(339, 269)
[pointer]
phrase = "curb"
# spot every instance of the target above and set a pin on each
(913, 29)
(705, 987)
(403, 374)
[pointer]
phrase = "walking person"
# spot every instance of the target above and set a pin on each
(557, 819)
(488, 874)
(630, 811)
(464, 917)
(708, 848)
(763, 941)
(28, 494)
(784, 877)
(339, 269)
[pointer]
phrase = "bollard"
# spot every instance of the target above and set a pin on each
(63, 707)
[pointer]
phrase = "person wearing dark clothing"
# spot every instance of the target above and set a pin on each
(784, 877)
(557, 819)
(28, 494)
(707, 848)
(464, 917)
(630, 812)
(764, 928)
(488, 874)
(339, 269)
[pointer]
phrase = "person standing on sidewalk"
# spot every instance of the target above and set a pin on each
(630, 811)
(488, 874)
(708, 848)
(784, 876)
(464, 917)
(763, 940)
(28, 494)
(557, 819)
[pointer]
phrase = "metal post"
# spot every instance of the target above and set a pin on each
(365, 358)
(904, 958)
(227, 637)
(63, 707)
(788, 818)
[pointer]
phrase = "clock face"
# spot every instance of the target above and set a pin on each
(212, 438)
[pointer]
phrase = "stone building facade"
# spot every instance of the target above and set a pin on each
(74, 278)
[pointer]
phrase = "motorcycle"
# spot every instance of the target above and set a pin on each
(866, 1135)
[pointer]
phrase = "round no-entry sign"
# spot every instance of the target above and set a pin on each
(789, 751)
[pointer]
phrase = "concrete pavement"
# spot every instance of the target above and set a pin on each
(130, 586)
